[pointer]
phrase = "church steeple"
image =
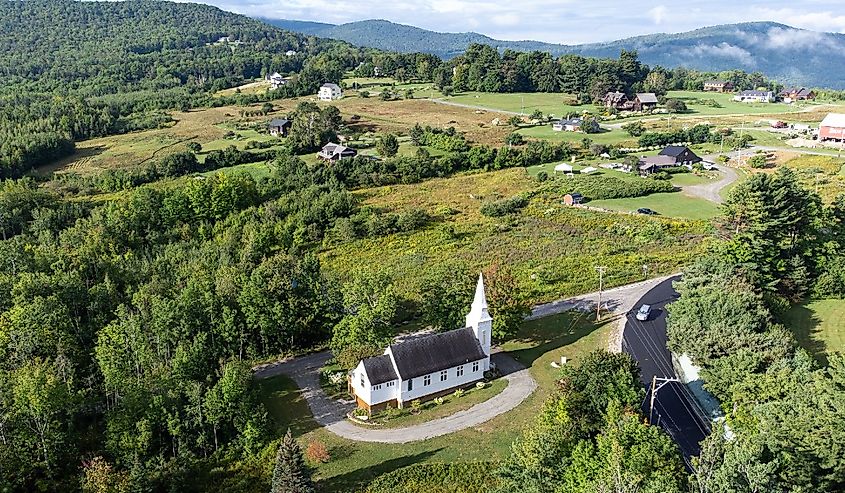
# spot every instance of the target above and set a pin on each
(479, 319)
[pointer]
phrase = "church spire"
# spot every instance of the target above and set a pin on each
(480, 300)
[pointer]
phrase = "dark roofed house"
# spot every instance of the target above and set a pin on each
(653, 164)
(792, 94)
(645, 101)
(428, 366)
(279, 127)
(336, 152)
(617, 100)
(682, 155)
(575, 125)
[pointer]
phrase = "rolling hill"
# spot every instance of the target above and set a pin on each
(793, 56)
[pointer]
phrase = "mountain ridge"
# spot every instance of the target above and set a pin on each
(788, 54)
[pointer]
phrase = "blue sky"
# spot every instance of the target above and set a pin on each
(559, 21)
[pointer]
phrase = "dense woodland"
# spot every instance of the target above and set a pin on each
(128, 326)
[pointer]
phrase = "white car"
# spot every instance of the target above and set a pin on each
(643, 313)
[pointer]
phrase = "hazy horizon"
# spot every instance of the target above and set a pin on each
(564, 21)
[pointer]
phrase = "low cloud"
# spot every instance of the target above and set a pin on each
(659, 14)
(722, 50)
(780, 38)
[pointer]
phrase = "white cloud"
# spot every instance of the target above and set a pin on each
(659, 14)
(723, 50)
(780, 38)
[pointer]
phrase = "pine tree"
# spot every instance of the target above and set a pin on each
(291, 475)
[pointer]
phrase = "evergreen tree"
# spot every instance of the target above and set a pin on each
(291, 475)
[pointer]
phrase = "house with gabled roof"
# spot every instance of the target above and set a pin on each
(832, 128)
(755, 97)
(427, 366)
(330, 92)
(336, 152)
(645, 101)
(718, 86)
(279, 127)
(616, 100)
(792, 94)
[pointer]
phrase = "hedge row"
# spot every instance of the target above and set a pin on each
(607, 187)
(469, 477)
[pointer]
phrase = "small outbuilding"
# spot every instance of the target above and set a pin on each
(336, 152)
(645, 101)
(279, 127)
(564, 168)
(573, 198)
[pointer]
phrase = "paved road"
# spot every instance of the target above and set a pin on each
(614, 301)
(711, 191)
(675, 409)
(305, 371)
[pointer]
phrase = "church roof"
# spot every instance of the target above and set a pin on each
(432, 353)
(379, 369)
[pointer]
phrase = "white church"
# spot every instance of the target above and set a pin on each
(429, 366)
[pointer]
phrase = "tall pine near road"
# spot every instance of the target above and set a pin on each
(291, 475)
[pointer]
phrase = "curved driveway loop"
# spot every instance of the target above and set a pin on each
(305, 371)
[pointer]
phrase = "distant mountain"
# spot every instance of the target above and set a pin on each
(790, 55)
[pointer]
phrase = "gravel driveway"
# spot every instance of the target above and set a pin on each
(305, 371)
(711, 191)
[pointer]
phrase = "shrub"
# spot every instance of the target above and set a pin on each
(472, 477)
(542, 176)
(607, 187)
(439, 401)
(503, 207)
(459, 393)
(634, 129)
(758, 161)
(317, 452)
(676, 106)
(350, 356)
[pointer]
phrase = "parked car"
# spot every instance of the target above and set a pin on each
(646, 211)
(643, 313)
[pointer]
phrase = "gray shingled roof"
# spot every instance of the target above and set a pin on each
(278, 122)
(379, 369)
(429, 354)
(647, 97)
(673, 151)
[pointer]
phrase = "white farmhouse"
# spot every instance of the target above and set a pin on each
(429, 366)
(330, 92)
(276, 80)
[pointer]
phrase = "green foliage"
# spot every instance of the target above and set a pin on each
(588, 438)
(758, 161)
(504, 207)
(370, 303)
(698, 134)
(387, 145)
(675, 105)
(456, 477)
(605, 187)
(770, 219)
(634, 129)
(290, 474)
(507, 307)
(446, 293)
(312, 127)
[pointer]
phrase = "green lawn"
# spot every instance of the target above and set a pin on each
(400, 418)
(689, 179)
(819, 327)
(557, 104)
(353, 464)
(727, 106)
(666, 204)
(614, 136)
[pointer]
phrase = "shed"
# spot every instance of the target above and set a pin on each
(564, 168)
(573, 198)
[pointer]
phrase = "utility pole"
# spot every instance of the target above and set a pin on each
(654, 388)
(601, 270)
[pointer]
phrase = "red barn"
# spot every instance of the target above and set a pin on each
(832, 127)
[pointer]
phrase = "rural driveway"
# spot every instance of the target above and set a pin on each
(473, 107)
(305, 371)
(711, 191)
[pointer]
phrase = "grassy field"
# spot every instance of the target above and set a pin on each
(613, 136)
(552, 248)
(819, 327)
(549, 103)
(726, 104)
(353, 464)
(666, 204)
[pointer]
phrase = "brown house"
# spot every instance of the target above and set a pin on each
(645, 101)
(616, 100)
(718, 86)
(792, 94)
